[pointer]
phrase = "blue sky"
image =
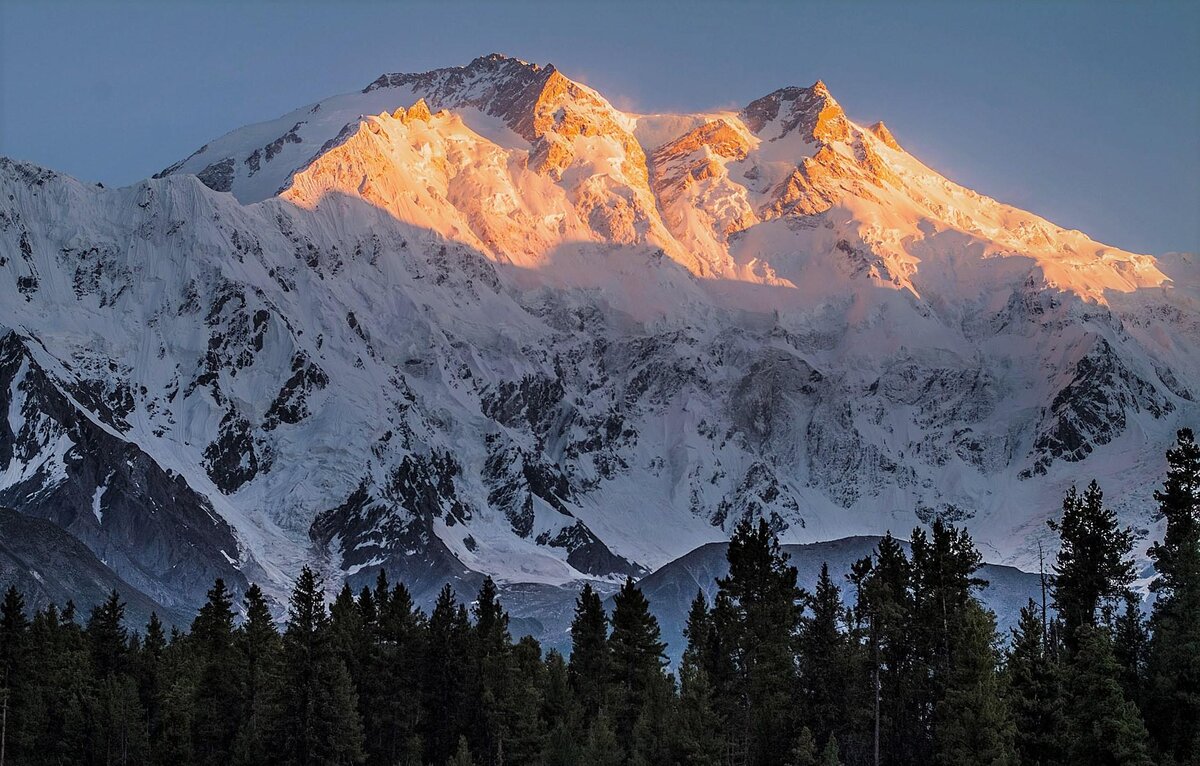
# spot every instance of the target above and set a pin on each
(1086, 113)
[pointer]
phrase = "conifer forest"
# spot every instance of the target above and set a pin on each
(899, 664)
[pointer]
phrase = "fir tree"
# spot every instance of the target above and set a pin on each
(1035, 692)
(590, 662)
(14, 678)
(1173, 661)
(756, 616)
(259, 646)
(1094, 567)
(1103, 727)
(448, 680)
(316, 712)
(218, 705)
(637, 658)
(972, 720)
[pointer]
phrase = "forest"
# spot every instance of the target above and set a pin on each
(897, 664)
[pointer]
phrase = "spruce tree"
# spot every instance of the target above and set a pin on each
(698, 737)
(316, 713)
(259, 646)
(590, 662)
(218, 704)
(756, 616)
(1035, 692)
(1103, 727)
(972, 722)
(1094, 568)
(1173, 657)
(15, 681)
(448, 679)
(637, 659)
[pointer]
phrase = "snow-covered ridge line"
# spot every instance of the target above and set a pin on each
(477, 320)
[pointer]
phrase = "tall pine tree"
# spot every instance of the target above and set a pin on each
(757, 616)
(1035, 691)
(316, 713)
(1094, 568)
(1173, 657)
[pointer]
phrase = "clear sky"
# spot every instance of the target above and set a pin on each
(1085, 113)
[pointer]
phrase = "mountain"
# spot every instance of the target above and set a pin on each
(479, 321)
(671, 589)
(49, 566)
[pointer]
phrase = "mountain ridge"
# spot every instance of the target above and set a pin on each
(470, 321)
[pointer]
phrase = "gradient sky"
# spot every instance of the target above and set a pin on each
(1085, 113)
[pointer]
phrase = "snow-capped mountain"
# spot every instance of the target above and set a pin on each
(478, 320)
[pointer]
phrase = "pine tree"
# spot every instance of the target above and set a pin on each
(637, 659)
(884, 608)
(218, 705)
(1035, 692)
(150, 674)
(398, 657)
(756, 615)
(1103, 728)
(831, 755)
(527, 736)
(1130, 641)
(590, 661)
(943, 568)
(448, 676)
(316, 711)
(492, 681)
(14, 678)
(108, 636)
(973, 726)
(826, 666)
(1094, 568)
(1173, 661)
(259, 646)
(601, 748)
(804, 750)
(698, 737)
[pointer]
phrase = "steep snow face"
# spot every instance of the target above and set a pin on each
(477, 320)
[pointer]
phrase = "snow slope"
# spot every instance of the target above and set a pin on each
(477, 320)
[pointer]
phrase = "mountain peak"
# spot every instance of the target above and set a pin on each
(883, 134)
(812, 111)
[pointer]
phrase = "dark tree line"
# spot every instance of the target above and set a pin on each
(912, 673)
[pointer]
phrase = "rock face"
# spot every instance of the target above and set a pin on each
(478, 321)
(49, 566)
